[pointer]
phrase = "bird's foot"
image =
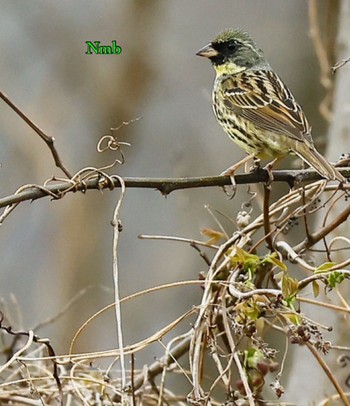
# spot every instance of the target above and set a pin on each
(230, 191)
(256, 165)
(268, 169)
(231, 171)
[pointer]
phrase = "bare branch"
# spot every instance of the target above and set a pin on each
(316, 237)
(329, 374)
(48, 140)
(339, 64)
(164, 185)
(267, 225)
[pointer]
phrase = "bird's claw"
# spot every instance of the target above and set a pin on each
(256, 165)
(231, 172)
(268, 169)
(230, 191)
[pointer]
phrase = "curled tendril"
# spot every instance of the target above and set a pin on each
(110, 141)
(247, 206)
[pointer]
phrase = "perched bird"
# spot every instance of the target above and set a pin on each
(255, 108)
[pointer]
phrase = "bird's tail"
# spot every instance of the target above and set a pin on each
(313, 158)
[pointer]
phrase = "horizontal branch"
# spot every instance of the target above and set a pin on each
(164, 185)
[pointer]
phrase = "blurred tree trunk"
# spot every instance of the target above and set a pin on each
(339, 131)
(317, 386)
(339, 142)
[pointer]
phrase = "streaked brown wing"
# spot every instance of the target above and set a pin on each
(262, 98)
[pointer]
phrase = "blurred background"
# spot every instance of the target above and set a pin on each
(52, 250)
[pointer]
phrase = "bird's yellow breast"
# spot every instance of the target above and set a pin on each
(229, 68)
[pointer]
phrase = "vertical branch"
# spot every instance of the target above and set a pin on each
(117, 227)
(237, 360)
(132, 380)
(305, 211)
(267, 226)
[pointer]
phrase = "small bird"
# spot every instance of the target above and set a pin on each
(255, 108)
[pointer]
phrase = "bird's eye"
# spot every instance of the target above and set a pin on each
(232, 46)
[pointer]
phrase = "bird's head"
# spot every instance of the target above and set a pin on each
(233, 51)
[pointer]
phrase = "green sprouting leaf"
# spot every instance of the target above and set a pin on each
(326, 266)
(252, 356)
(253, 311)
(289, 288)
(275, 261)
(247, 310)
(335, 278)
(315, 288)
(294, 318)
(249, 261)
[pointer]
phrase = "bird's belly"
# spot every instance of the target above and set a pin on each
(274, 145)
(263, 144)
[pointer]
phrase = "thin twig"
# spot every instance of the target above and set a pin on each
(157, 367)
(316, 237)
(36, 339)
(328, 372)
(117, 227)
(68, 305)
(168, 352)
(127, 298)
(48, 140)
(339, 64)
(322, 304)
(132, 380)
(267, 226)
(237, 360)
(305, 217)
(180, 239)
(19, 352)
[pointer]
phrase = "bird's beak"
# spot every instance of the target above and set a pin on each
(207, 51)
